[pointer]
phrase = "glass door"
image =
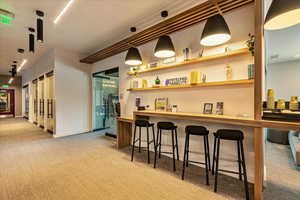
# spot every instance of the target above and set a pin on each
(26, 96)
(106, 99)
(50, 102)
(41, 103)
(7, 106)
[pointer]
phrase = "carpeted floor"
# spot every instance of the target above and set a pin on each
(34, 166)
(283, 177)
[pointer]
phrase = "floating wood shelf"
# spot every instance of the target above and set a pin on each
(209, 84)
(193, 61)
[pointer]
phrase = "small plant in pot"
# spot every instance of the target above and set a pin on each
(251, 43)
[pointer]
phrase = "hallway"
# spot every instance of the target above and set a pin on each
(36, 167)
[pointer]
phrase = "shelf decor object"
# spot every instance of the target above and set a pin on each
(282, 14)
(271, 99)
(215, 32)
(199, 85)
(294, 103)
(193, 61)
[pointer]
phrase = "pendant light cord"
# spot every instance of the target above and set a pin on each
(216, 3)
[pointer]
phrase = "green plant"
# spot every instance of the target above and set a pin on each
(251, 43)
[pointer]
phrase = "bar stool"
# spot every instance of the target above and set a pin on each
(142, 124)
(197, 131)
(168, 126)
(232, 135)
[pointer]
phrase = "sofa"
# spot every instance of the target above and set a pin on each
(294, 140)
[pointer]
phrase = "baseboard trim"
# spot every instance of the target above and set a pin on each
(70, 133)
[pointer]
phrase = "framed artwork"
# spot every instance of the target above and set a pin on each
(220, 108)
(208, 108)
(161, 104)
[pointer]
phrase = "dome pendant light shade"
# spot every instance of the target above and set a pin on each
(164, 47)
(215, 31)
(283, 14)
(133, 57)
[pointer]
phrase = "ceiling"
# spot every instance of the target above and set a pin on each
(88, 25)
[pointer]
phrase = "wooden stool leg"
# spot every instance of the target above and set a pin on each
(217, 164)
(214, 156)
(206, 160)
(133, 144)
(239, 159)
(184, 157)
(177, 151)
(244, 170)
(173, 151)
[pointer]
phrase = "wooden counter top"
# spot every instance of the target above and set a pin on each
(125, 119)
(222, 119)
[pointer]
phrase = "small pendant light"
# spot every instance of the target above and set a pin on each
(283, 14)
(31, 39)
(133, 56)
(215, 31)
(39, 26)
(164, 47)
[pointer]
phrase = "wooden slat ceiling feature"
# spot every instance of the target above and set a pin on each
(181, 21)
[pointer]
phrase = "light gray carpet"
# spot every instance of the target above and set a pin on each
(34, 166)
(283, 178)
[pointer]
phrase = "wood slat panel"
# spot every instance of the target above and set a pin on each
(181, 21)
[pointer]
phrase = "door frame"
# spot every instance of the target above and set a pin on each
(12, 102)
(98, 74)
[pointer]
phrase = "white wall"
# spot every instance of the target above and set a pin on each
(284, 79)
(72, 84)
(43, 65)
(73, 94)
(237, 100)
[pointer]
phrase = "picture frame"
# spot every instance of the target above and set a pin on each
(220, 108)
(208, 108)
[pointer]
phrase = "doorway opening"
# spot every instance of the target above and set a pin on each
(106, 101)
(7, 103)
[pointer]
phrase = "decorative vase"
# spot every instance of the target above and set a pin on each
(294, 105)
(251, 71)
(157, 81)
(270, 101)
(204, 78)
(281, 104)
(194, 78)
(228, 73)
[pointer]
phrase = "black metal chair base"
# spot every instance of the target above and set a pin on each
(241, 163)
(140, 138)
(174, 146)
(186, 160)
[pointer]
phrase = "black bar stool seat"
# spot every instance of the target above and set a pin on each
(142, 124)
(196, 131)
(233, 135)
(168, 126)
(229, 134)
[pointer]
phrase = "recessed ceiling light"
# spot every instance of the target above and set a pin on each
(10, 80)
(63, 11)
(22, 65)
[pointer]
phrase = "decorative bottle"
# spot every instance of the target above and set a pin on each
(270, 101)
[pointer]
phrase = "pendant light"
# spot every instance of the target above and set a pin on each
(31, 39)
(283, 14)
(164, 47)
(215, 31)
(133, 56)
(39, 26)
